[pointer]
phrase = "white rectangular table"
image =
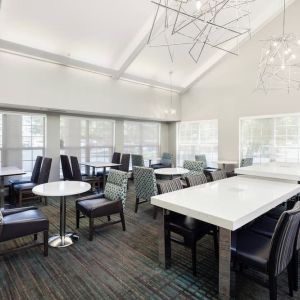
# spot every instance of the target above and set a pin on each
(98, 165)
(283, 171)
(4, 172)
(229, 204)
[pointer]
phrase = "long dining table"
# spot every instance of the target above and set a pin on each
(229, 204)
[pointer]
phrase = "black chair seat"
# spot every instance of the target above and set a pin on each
(184, 225)
(252, 249)
(21, 222)
(99, 207)
(264, 226)
(24, 186)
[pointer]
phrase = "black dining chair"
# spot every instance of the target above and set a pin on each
(77, 176)
(34, 176)
(125, 161)
(66, 167)
(116, 159)
(25, 189)
(20, 222)
(190, 229)
(270, 255)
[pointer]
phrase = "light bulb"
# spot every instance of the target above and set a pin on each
(298, 42)
(275, 44)
(286, 52)
(271, 59)
(198, 4)
(267, 52)
(282, 67)
(293, 56)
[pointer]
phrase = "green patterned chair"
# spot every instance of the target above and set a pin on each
(194, 167)
(145, 185)
(137, 160)
(166, 161)
(246, 162)
(107, 204)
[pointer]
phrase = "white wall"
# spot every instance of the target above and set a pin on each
(38, 84)
(227, 93)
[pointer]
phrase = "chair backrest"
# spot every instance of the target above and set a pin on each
(66, 167)
(36, 169)
(194, 167)
(201, 157)
(116, 160)
(169, 186)
(125, 163)
(218, 175)
(195, 180)
(116, 186)
(137, 160)
(284, 240)
(167, 159)
(45, 170)
(245, 162)
(76, 168)
(144, 182)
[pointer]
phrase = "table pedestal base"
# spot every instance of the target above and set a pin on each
(57, 241)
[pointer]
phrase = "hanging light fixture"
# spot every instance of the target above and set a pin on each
(172, 110)
(199, 24)
(279, 66)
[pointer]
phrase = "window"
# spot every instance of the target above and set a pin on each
(200, 137)
(88, 139)
(142, 138)
(272, 138)
(22, 139)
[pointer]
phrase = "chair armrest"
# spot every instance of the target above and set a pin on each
(7, 212)
(91, 197)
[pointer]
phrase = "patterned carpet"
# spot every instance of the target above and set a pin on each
(116, 265)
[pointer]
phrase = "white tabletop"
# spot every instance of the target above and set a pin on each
(100, 164)
(61, 188)
(10, 171)
(285, 171)
(171, 171)
(229, 203)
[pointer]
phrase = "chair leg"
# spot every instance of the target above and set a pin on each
(35, 236)
(108, 218)
(123, 220)
(46, 243)
(20, 199)
(194, 257)
(136, 205)
(295, 270)
(273, 287)
(291, 278)
(216, 243)
(91, 228)
(46, 201)
(77, 218)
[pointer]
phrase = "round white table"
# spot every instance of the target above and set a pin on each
(171, 171)
(61, 189)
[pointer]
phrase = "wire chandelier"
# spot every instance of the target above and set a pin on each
(279, 66)
(200, 24)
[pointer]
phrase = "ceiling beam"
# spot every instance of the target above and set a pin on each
(257, 25)
(137, 44)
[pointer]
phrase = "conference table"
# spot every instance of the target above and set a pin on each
(229, 204)
(275, 170)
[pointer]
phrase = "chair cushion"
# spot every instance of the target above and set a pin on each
(264, 226)
(24, 186)
(252, 249)
(19, 181)
(21, 222)
(99, 207)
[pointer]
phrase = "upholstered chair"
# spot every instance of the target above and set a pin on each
(107, 204)
(145, 185)
(194, 180)
(25, 189)
(194, 167)
(190, 229)
(137, 160)
(218, 175)
(125, 161)
(165, 162)
(19, 222)
(246, 162)
(66, 167)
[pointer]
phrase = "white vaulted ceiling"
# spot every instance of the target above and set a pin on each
(106, 36)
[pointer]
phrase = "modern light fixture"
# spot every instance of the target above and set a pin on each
(199, 24)
(279, 66)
